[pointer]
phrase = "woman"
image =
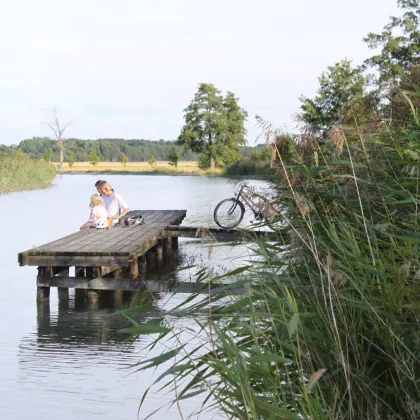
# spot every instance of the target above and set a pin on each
(115, 205)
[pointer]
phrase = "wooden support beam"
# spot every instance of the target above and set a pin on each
(43, 289)
(142, 266)
(63, 292)
(71, 261)
(134, 268)
(167, 248)
(234, 235)
(159, 253)
(131, 285)
(174, 242)
(151, 259)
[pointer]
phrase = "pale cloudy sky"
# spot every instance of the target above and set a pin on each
(127, 69)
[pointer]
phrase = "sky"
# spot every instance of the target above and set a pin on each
(128, 69)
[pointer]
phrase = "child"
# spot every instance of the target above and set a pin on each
(98, 216)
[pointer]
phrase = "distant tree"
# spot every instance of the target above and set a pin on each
(255, 154)
(94, 158)
(70, 160)
(47, 154)
(214, 126)
(398, 44)
(124, 159)
(152, 161)
(58, 127)
(20, 154)
(341, 86)
(174, 156)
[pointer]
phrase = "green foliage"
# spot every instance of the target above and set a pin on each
(327, 323)
(399, 44)
(341, 86)
(70, 160)
(94, 158)
(33, 174)
(124, 159)
(47, 154)
(247, 167)
(20, 155)
(255, 154)
(152, 162)
(173, 157)
(214, 126)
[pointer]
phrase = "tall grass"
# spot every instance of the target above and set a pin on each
(329, 325)
(19, 173)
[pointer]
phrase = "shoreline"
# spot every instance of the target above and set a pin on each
(157, 173)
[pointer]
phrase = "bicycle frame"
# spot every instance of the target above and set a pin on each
(244, 199)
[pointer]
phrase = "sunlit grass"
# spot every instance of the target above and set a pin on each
(184, 168)
(19, 173)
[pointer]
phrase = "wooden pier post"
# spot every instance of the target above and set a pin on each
(142, 266)
(92, 295)
(133, 267)
(159, 253)
(118, 295)
(43, 292)
(63, 292)
(151, 259)
(175, 242)
(167, 248)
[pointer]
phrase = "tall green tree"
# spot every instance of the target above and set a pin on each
(174, 157)
(398, 44)
(214, 126)
(340, 86)
(94, 158)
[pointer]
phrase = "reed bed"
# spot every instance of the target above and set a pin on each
(328, 326)
(19, 173)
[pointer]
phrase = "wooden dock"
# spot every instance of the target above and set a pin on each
(114, 259)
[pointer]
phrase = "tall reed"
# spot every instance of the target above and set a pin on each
(329, 324)
(19, 173)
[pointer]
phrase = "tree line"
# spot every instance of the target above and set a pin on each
(114, 150)
(108, 150)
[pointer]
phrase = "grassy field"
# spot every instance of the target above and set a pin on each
(184, 168)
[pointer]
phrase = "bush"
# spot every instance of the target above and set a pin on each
(247, 167)
(71, 160)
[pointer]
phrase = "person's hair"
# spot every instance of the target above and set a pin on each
(95, 199)
(100, 181)
(102, 184)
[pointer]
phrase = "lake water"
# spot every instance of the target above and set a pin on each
(66, 360)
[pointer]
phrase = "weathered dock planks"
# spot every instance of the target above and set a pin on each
(104, 248)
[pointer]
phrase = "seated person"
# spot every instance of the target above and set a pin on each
(98, 215)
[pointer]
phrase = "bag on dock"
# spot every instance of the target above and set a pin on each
(134, 221)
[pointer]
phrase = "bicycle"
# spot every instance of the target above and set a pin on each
(229, 212)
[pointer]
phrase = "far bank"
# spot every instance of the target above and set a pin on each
(243, 167)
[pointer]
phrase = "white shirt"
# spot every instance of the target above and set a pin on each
(114, 205)
(99, 217)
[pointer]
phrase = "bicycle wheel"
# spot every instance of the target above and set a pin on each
(229, 213)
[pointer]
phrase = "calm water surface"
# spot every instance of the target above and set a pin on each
(66, 360)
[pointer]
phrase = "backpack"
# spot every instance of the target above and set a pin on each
(134, 221)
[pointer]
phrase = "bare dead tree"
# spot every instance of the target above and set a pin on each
(58, 127)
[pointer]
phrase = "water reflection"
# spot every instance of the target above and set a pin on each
(72, 353)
